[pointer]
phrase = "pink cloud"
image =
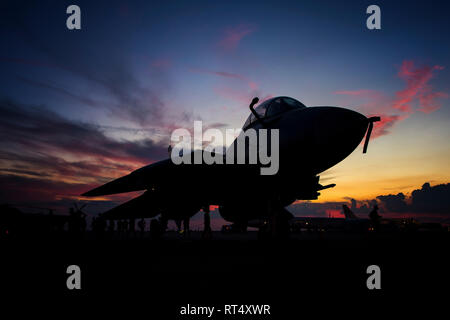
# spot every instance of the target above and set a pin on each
(382, 127)
(417, 88)
(417, 91)
(234, 35)
(253, 85)
(428, 101)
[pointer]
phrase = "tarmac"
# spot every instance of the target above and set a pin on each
(291, 275)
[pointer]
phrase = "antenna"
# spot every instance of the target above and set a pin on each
(255, 101)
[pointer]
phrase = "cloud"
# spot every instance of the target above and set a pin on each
(34, 195)
(426, 200)
(97, 71)
(428, 101)
(220, 73)
(38, 128)
(27, 190)
(251, 84)
(417, 88)
(128, 98)
(362, 207)
(418, 91)
(233, 36)
(427, 204)
(62, 91)
(316, 209)
(394, 203)
(240, 94)
(383, 126)
(431, 199)
(44, 155)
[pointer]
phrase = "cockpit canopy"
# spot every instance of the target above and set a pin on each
(273, 107)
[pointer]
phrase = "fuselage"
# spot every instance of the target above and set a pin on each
(311, 140)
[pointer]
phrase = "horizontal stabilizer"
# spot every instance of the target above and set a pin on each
(135, 208)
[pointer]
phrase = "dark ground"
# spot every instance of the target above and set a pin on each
(318, 274)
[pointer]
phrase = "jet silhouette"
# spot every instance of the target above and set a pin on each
(311, 140)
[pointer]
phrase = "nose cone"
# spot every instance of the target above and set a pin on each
(337, 128)
(326, 135)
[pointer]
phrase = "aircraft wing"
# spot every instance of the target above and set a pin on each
(140, 179)
(167, 174)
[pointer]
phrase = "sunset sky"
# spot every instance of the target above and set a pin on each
(80, 107)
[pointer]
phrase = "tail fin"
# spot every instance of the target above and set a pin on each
(348, 213)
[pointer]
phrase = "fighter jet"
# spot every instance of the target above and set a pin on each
(311, 140)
